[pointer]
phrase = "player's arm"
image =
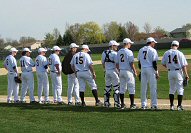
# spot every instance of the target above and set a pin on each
(184, 68)
(5, 66)
(58, 69)
(155, 68)
(133, 68)
(92, 71)
(139, 65)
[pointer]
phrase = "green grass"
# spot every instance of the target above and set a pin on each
(163, 85)
(60, 119)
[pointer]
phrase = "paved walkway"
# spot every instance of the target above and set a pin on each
(3, 71)
(162, 103)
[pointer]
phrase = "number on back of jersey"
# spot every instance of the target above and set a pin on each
(174, 59)
(79, 60)
(50, 61)
(22, 62)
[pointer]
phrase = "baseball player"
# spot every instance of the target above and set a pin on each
(111, 74)
(125, 61)
(81, 64)
(55, 74)
(73, 85)
(27, 76)
(176, 63)
(147, 61)
(42, 76)
(10, 64)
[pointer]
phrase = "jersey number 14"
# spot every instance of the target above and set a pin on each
(174, 59)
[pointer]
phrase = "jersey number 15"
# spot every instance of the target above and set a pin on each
(79, 60)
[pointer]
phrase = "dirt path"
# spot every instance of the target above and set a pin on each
(162, 103)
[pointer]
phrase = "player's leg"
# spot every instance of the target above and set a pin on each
(30, 81)
(115, 83)
(153, 89)
(180, 89)
(123, 87)
(172, 90)
(70, 88)
(82, 85)
(15, 90)
(46, 87)
(107, 89)
(10, 88)
(54, 91)
(58, 86)
(76, 91)
(144, 82)
(40, 86)
(24, 87)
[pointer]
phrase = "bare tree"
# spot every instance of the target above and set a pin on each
(56, 33)
(131, 30)
(147, 27)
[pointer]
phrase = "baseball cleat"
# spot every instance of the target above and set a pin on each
(22, 101)
(99, 103)
(107, 104)
(17, 101)
(33, 102)
(60, 103)
(154, 108)
(83, 104)
(117, 105)
(70, 103)
(9, 101)
(144, 107)
(41, 102)
(180, 108)
(78, 103)
(172, 107)
(123, 106)
(133, 106)
(55, 101)
(47, 102)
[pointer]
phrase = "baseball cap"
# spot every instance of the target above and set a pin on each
(56, 48)
(85, 47)
(150, 39)
(175, 43)
(13, 50)
(41, 50)
(27, 50)
(113, 42)
(73, 45)
(127, 40)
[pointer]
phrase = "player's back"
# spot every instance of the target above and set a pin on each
(81, 61)
(109, 58)
(124, 58)
(53, 60)
(10, 62)
(146, 56)
(26, 64)
(41, 62)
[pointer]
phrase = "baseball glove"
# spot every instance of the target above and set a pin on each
(139, 76)
(18, 80)
(185, 82)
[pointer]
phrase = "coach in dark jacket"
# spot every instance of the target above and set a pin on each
(73, 85)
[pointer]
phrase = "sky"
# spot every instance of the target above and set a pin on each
(35, 18)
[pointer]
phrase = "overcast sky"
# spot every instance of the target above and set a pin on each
(36, 17)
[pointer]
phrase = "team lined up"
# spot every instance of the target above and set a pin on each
(120, 73)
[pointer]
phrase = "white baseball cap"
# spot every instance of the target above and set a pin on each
(13, 50)
(56, 48)
(175, 43)
(73, 45)
(27, 50)
(151, 39)
(41, 50)
(113, 42)
(127, 40)
(85, 47)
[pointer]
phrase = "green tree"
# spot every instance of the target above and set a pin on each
(160, 32)
(122, 33)
(49, 40)
(67, 38)
(59, 41)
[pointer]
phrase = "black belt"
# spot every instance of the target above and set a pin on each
(81, 71)
(174, 69)
(54, 71)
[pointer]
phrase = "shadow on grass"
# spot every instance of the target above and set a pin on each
(66, 108)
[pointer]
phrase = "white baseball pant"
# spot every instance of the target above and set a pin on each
(56, 86)
(148, 76)
(84, 76)
(27, 82)
(43, 83)
(111, 77)
(73, 88)
(176, 82)
(127, 81)
(13, 87)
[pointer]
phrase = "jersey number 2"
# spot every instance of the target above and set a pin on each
(122, 57)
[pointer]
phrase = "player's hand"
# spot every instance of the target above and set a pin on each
(59, 73)
(94, 76)
(157, 76)
(135, 74)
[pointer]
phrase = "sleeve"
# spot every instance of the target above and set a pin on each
(183, 60)
(163, 61)
(155, 55)
(131, 57)
(116, 59)
(56, 61)
(89, 60)
(32, 63)
(138, 57)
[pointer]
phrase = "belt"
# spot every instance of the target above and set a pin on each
(53, 71)
(174, 69)
(81, 71)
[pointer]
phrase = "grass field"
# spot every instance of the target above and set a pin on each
(61, 119)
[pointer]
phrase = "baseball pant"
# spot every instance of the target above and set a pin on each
(43, 83)
(56, 86)
(73, 87)
(127, 81)
(84, 76)
(111, 78)
(148, 76)
(27, 82)
(176, 82)
(13, 87)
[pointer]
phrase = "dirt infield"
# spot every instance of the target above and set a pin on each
(162, 103)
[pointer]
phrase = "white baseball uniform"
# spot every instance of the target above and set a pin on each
(174, 61)
(42, 76)
(146, 56)
(27, 77)
(13, 87)
(81, 62)
(56, 79)
(111, 75)
(126, 75)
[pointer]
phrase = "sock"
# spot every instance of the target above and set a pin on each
(122, 99)
(82, 96)
(131, 96)
(94, 92)
(171, 97)
(180, 100)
